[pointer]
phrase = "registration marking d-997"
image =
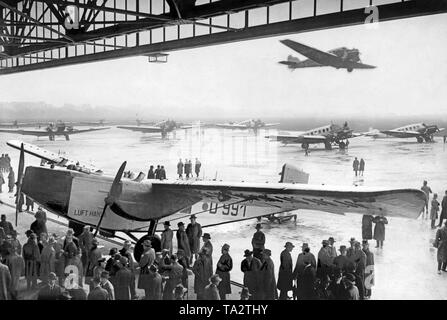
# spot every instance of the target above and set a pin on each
(228, 209)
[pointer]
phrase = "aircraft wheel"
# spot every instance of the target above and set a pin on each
(350, 69)
(342, 145)
(138, 250)
(305, 145)
(327, 145)
(420, 140)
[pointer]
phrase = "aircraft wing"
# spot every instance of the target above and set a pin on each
(270, 125)
(50, 156)
(402, 134)
(148, 129)
(39, 133)
(281, 197)
(74, 131)
(231, 126)
(322, 57)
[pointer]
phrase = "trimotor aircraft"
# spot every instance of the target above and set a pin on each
(340, 58)
(52, 130)
(119, 204)
(330, 135)
(246, 124)
(163, 127)
(420, 131)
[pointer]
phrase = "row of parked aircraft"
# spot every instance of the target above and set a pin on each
(330, 135)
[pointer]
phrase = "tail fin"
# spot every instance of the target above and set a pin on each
(291, 58)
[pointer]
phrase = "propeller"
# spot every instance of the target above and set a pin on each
(19, 181)
(114, 193)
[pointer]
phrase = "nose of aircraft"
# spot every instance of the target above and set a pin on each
(48, 187)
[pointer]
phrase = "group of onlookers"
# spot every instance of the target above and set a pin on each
(186, 168)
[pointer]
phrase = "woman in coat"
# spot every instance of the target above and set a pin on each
(223, 268)
(379, 230)
(443, 210)
(285, 276)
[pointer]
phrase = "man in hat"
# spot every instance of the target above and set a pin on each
(223, 268)
(51, 290)
(93, 256)
(107, 285)
(174, 278)
(306, 286)
(285, 276)
(201, 274)
(6, 225)
(211, 292)
(258, 241)
(15, 243)
(251, 266)
(304, 257)
(351, 249)
(123, 280)
(85, 244)
(182, 240)
(441, 244)
(207, 245)
(96, 292)
(166, 237)
(146, 260)
(352, 290)
(184, 262)
(180, 169)
(268, 289)
(324, 264)
(379, 230)
(31, 255)
(132, 265)
(359, 259)
(342, 260)
(194, 232)
(39, 226)
(369, 270)
(331, 248)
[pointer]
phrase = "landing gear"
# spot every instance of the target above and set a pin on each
(155, 241)
(327, 145)
(305, 145)
(428, 138)
(67, 137)
(350, 69)
(342, 145)
(51, 138)
(419, 139)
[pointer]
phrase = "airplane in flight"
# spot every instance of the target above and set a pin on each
(52, 130)
(246, 124)
(340, 58)
(420, 131)
(163, 127)
(331, 135)
(143, 206)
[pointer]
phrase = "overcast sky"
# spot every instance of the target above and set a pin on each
(244, 79)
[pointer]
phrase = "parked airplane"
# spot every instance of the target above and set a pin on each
(139, 206)
(246, 124)
(163, 127)
(52, 130)
(16, 124)
(420, 131)
(330, 135)
(344, 58)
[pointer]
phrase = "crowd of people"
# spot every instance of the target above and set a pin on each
(158, 173)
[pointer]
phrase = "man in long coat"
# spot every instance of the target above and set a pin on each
(251, 266)
(174, 278)
(258, 241)
(223, 268)
(303, 258)
(285, 276)
(16, 266)
(324, 264)
(31, 255)
(85, 244)
(355, 166)
(443, 210)
(182, 240)
(379, 230)
(11, 180)
(180, 169)
(194, 232)
(207, 245)
(267, 275)
(441, 244)
(201, 274)
(367, 222)
(306, 287)
(123, 280)
(369, 270)
(166, 237)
